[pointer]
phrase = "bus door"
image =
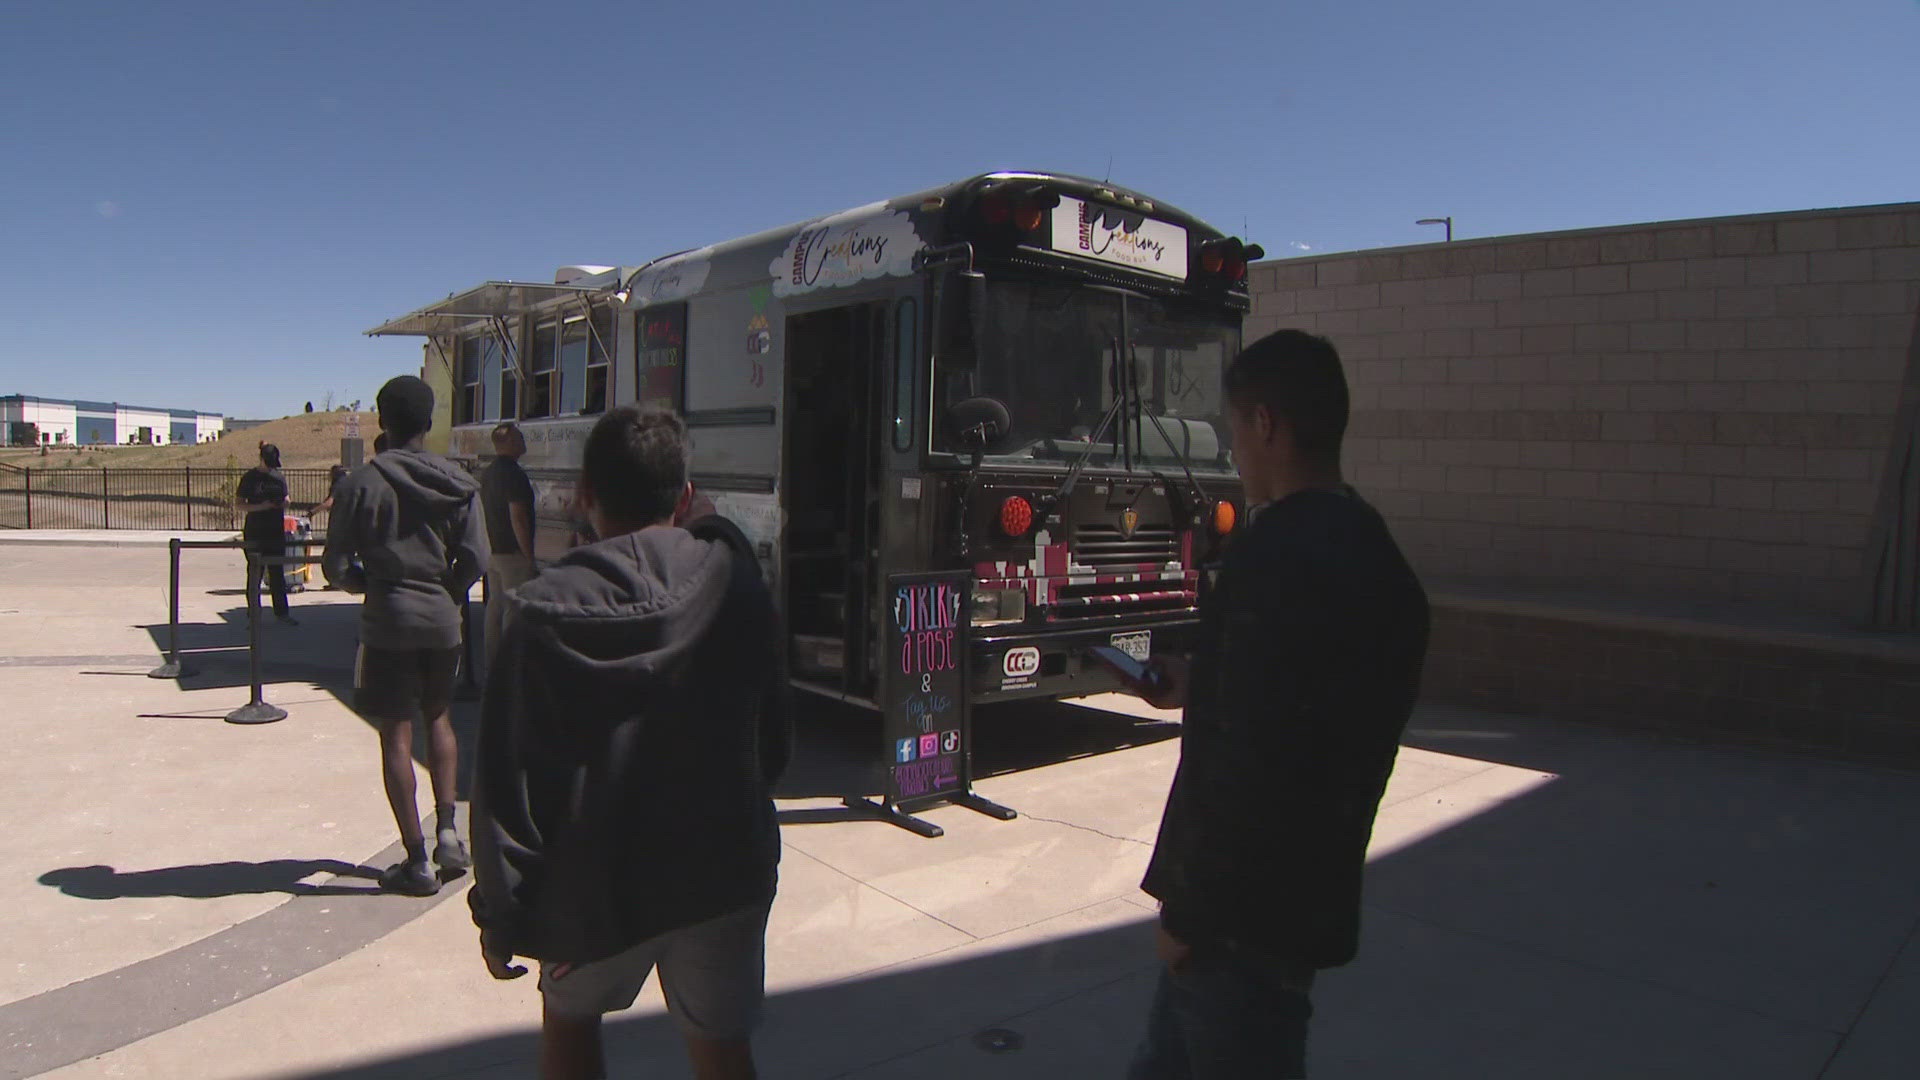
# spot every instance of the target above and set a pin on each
(830, 488)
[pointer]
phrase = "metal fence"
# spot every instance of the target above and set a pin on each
(171, 499)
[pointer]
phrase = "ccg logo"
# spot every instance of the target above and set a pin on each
(1021, 663)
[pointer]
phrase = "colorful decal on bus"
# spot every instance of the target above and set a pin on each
(672, 279)
(846, 249)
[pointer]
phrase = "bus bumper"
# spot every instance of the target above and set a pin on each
(1026, 664)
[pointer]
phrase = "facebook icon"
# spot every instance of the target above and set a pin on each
(903, 752)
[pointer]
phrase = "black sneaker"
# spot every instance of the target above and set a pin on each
(449, 853)
(410, 878)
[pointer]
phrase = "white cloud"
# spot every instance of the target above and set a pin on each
(107, 208)
(1298, 246)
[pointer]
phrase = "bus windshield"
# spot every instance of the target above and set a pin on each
(1046, 352)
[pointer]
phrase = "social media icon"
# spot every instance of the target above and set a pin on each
(950, 742)
(929, 745)
(904, 751)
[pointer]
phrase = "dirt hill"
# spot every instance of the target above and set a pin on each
(306, 441)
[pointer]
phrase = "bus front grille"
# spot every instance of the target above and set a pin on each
(1103, 548)
(1123, 575)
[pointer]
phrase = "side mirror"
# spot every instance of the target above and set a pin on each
(980, 423)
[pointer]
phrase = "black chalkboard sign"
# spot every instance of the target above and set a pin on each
(928, 738)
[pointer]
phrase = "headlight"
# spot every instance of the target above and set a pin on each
(999, 606)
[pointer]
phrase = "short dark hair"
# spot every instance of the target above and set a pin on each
(1298, 377)
(381, 443)
(636, 464)
(406, 407)
(270, 454)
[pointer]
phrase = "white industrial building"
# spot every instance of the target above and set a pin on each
(93, 423)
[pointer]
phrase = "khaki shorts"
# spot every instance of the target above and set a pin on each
(713, 974)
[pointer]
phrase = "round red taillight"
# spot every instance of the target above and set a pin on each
(1028, 217)
(1211, 261)
(995, 209)
(1236, 270)
(1016, 516)
(1223, 516)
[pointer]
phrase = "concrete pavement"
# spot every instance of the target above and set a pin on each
(184, 897)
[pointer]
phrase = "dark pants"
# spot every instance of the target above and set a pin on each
(1224, 1015)
(276, 574)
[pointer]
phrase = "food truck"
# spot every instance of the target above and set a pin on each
(1015, 379)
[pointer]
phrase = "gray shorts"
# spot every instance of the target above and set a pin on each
(713, 974)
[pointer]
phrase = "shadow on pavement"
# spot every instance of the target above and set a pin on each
(832, 1030)
(839, 751)
(209, 880)
(1726, 913)
(319, 651)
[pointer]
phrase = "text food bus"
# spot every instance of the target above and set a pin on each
(1020, 373)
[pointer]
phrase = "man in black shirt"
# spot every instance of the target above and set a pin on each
(507, 495)
(1301, 681)
(262, 496)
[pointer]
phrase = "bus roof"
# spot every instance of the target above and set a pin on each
(889, 233)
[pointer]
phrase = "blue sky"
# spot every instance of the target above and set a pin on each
(203, 205)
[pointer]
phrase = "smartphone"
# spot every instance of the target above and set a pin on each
(1133, 671)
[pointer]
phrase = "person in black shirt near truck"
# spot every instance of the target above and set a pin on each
(507, 495)
(262, 496)
(1300, 684)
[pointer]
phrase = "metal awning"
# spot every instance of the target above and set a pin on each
(493, 300)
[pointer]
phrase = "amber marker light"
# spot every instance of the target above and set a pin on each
(1222, 517)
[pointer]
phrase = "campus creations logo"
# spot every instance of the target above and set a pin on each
(846, 249)
(1107, 233)
(1121, 237)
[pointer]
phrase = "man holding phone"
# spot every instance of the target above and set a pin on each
(1301, 681)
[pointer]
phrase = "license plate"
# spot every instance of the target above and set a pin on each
(1138, 645)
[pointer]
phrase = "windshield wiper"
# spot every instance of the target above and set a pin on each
(1093, 442)
(1198, 495)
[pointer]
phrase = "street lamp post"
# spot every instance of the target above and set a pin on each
(1447, 221)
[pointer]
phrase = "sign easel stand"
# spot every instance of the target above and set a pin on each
(926, 721)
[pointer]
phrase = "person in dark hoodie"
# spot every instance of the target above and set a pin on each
(633, 726)
(408, 533)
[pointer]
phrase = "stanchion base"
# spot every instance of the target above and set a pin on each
(984, 806)
(256, 712)
(172, 669)
(893, 816)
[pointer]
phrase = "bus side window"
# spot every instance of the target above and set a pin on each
(906, 322)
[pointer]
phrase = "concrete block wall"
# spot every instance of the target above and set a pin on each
(1697, 409)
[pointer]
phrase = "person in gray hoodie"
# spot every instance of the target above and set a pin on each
(634, 723)
(407, 533)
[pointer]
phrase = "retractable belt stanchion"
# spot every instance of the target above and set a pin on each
(172, 668)
(256, 710)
